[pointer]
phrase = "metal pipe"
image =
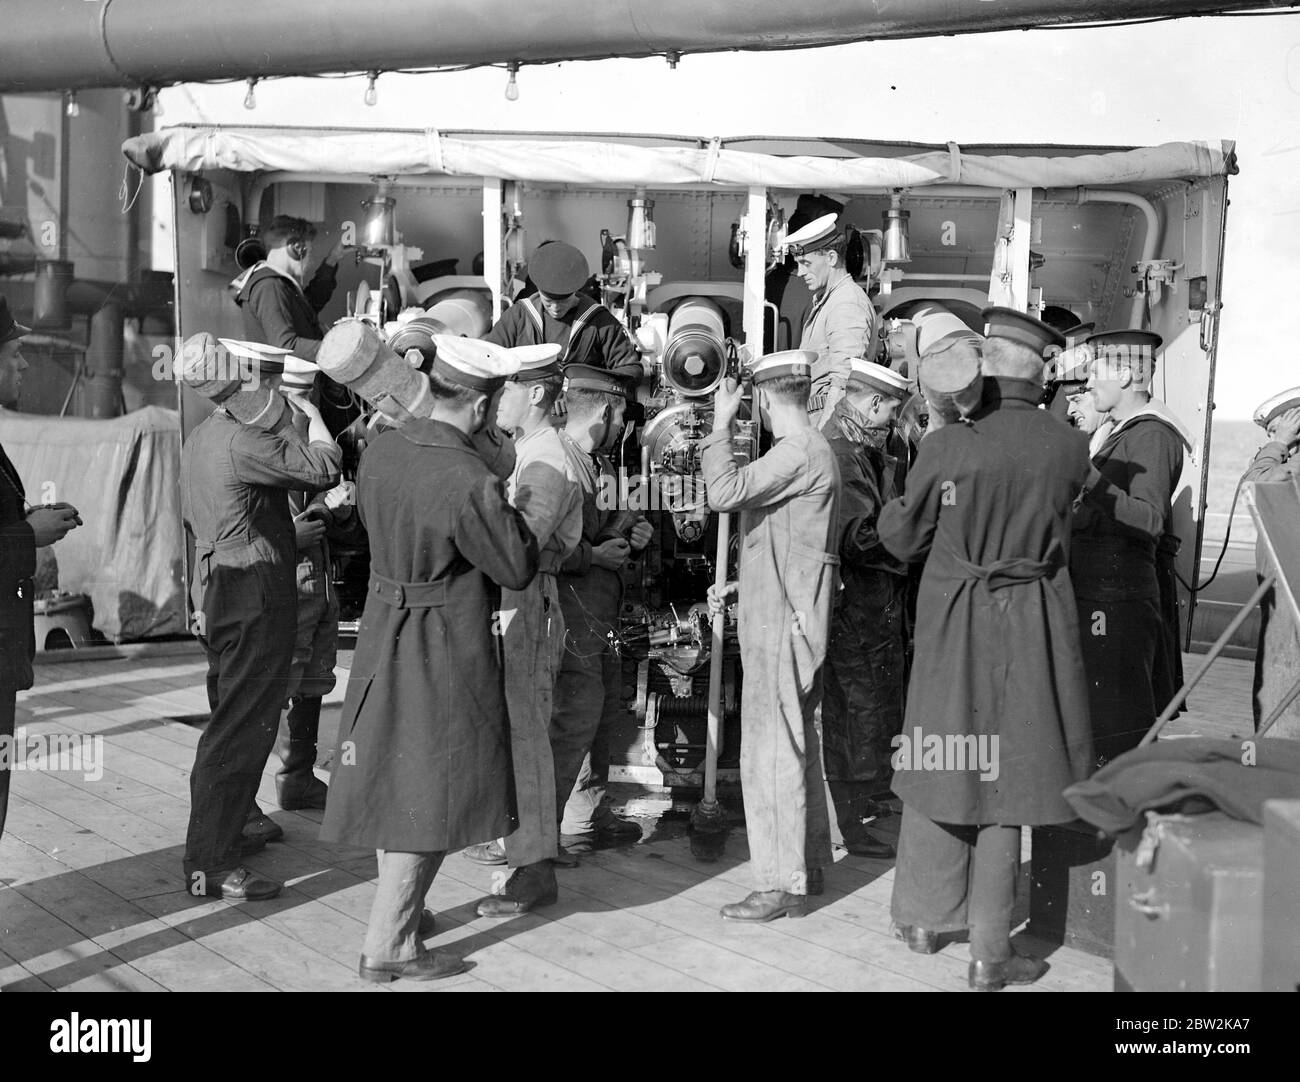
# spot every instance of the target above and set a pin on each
(1210, 656)
(716, 708)
(69, 44)
(1150, 241)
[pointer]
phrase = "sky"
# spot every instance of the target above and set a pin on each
(1208, 79)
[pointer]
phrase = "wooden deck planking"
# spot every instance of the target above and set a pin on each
(91, 897)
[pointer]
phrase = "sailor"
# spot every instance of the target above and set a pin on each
(783, 288)
(317, 519)
(282, 307)
(841, 324)
(788, 501)
(996, 723)
(1128, 620)
(235, 481)
(865, 671)
(23, 530)
(1277, 654)
(587, 690)
(423, 760)
(532, 624)
(586, 331)
(1067, 374)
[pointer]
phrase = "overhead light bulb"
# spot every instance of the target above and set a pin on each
(72, 108)
(250, 99)
(372, 93)
(512, 87)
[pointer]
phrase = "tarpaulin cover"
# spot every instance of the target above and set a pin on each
(123, 476)
(589, 160)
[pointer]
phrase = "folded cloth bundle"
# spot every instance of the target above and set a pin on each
(1194, 774)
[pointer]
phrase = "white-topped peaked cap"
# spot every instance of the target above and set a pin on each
(789, 362)
(1278, 404)
(299, 375)
(867, 374)
(270, 359)
(814, 236)
(473, 363)
(536, 362)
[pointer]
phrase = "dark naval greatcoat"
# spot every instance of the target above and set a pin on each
(423, 762)
(988, 506)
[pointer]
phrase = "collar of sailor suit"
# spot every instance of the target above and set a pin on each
(1158, 411)
(239, 283)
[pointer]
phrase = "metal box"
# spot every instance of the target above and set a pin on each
(1281, 965)
(1189, 906)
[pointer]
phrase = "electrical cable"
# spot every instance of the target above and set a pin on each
(1227, 536)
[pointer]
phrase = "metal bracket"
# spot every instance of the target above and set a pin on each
(1153, 276)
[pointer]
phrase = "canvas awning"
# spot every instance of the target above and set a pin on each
(589, 160)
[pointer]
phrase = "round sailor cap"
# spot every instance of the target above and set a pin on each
(1112, 351)
(1273, 407)
(536, 362)
(814, 236)
(585, 377)
(473, 363)
(1017, 327)
(866, 375)
(270, 359)
(1078, 335)
(558, 268)
(1133, 340)
(789, 362)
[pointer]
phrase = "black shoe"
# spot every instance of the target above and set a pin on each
(307, 793)
(241, 885)
(864, 845)
(993, 976)
(527, 888)
(425, 966)
(919, 940)
(259, 825)
(761, 906)
(427, 923)
(816, 882)
(486, 853)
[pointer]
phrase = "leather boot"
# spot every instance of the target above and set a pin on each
(853, 805)
(260, 826)
(426, 966)
(763, 905)
(816, 882)
(486, 853)
(919, 940)
(529, 887)
(993, 976)
(296, 785)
